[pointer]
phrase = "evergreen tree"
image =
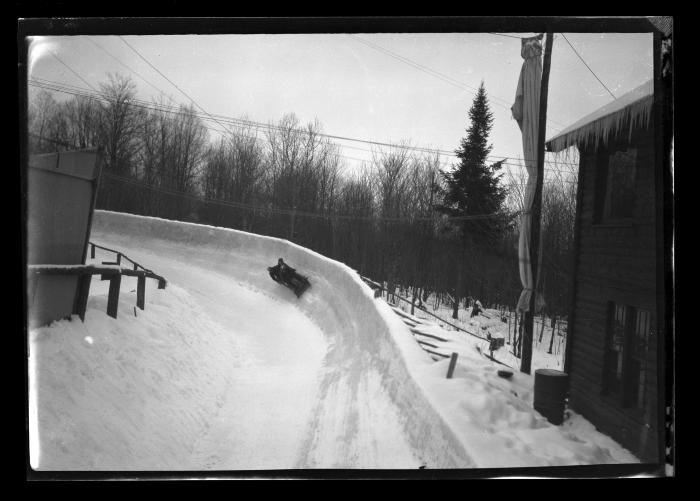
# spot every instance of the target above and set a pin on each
(472, 187)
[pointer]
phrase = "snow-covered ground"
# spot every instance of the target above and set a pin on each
(226, 369)
(489, 322)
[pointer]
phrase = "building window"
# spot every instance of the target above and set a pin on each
(614, 352)
(636, 377)
(626, 354)
(616, 193)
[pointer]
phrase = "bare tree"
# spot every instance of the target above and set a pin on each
(119, 121)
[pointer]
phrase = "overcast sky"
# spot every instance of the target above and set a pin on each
(353, 89)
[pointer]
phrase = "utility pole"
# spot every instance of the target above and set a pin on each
(536, 210)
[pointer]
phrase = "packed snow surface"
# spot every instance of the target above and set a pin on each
(227, 370)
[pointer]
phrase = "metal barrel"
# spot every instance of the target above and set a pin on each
(550, 394)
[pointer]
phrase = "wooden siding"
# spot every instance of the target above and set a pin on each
(614, 262)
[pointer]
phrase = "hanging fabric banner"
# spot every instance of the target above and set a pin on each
(526, 112)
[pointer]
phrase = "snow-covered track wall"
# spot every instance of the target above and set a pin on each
(366, 395)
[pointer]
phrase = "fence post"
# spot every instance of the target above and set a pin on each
(83, 293)
(451, 368)
(141, 291)
(113, 297)
(509, 315)
(515, 333)
(542, 328)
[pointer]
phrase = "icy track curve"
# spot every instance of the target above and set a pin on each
(315, 382)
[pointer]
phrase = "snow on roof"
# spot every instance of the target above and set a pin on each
(632, 110)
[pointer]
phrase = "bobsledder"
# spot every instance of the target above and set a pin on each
(288, 276)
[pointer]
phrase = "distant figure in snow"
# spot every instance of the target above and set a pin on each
(286, 275)
(476, 309)
(281, 272)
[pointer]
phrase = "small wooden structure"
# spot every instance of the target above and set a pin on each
(614, 351)
(61, 191)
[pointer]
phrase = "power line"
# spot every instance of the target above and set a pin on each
(498, 101)
(435, 73)
(259, 125)
(504, 35)
(589, 68)
(280, 211)
(71, 69)
(171, 82)
(122, 63)
(238, 122)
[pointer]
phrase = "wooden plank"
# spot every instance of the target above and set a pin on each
(87, 269)
(416, 331)
(426, 344)
(82, 297)
(451, 368)
(113, 297)
(443, 355)
(141, 292)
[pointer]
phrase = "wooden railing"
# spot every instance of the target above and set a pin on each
(85, 273)
(108, 270)
(377, 286)
(493, 342)
(136, 266)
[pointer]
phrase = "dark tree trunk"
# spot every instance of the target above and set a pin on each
(541, 329)
(551, 340)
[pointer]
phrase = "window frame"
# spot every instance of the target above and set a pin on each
(630, 389)
(603, 188)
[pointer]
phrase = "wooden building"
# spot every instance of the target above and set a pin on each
(614, 354)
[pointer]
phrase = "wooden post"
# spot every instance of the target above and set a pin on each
(82, 297)
(515, 332)
(113, 297)
(509, 315)
(551, 341)
(451, 368)
(536, 210)
(542, 328)
(92, 251)
(141, 291)
(119, 258)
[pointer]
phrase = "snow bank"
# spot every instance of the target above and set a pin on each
(129, 394)
(364, 357)
(494, 417)
(157, 385)
(365, 390)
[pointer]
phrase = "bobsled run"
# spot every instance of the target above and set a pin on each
(228, 369)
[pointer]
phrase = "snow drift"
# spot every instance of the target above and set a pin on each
(226, 369)
(367, 410)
